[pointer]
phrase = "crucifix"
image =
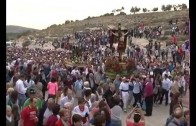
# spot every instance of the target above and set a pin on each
(121, 39)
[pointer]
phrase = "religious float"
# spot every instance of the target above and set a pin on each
(118, 64)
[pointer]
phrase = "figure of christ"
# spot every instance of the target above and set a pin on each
(121, 43)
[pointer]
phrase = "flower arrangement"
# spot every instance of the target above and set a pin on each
(130, 65)
(112, 64)
(75, 60)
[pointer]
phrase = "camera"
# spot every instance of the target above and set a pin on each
(138, 105)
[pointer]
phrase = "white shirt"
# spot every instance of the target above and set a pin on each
(136, 87)
(31, 83)
(124, 86)
(65, 100)
(76, 110)
(89, 104)
(73, 72)
(20, 88)
(165, 72)
(166, 83)
(9, 118)
(47, 114)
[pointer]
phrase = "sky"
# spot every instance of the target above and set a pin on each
(40, 14)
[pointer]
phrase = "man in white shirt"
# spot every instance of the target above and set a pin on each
(166, 83)
(124, 88)
(137, 88)
(21, 89)
(75, 71)
(67, 98)
(166, 72)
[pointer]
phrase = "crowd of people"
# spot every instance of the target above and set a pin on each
(42, 90)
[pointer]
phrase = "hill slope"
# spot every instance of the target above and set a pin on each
(150, 19)
(17, 29)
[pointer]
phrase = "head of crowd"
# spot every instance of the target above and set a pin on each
(44, 90)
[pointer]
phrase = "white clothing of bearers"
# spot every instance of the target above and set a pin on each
(83, 113)
(124, 88)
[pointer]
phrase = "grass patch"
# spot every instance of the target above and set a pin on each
(163, 38)
(183, 38)
(168, 32)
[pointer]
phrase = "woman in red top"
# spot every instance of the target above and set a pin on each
(29, 114)
(138, 118)
(65, 118)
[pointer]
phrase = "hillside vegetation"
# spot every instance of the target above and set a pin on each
(13, 32)
(17, 29)
(149, 19)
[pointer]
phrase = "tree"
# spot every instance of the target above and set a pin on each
(113, 11)
(155, 9)
(175, 7)
(67, 22)
(163, 8)
(137, 9)
(132, 10)
(122, 13)
(168, 7)
(111, 14)
(179, 6)
(184, 6)
(144, 10)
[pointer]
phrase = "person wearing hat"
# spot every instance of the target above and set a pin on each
(32, 94)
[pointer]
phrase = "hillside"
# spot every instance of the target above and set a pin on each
(150, 19)
(17, 29)
(13, 32)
